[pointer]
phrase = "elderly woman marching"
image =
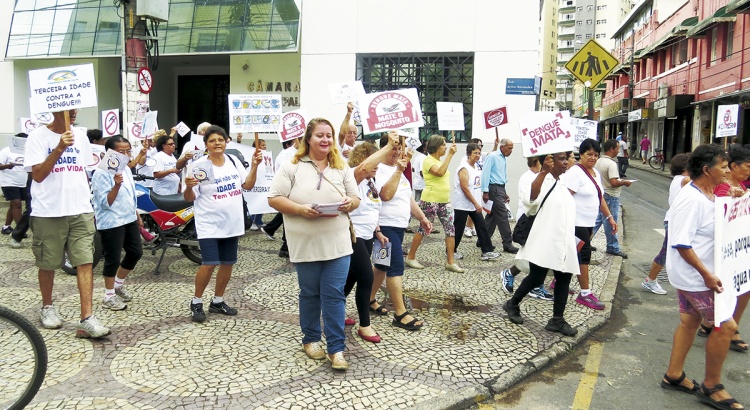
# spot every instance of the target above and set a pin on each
(551, 242)
(320, 244)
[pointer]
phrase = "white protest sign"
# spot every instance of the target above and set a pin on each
(731, 252)
(495, 118)
(254, 112)
(257, 198)
(149, 123)
(62, 88)
(135, 130)
(114, 162)
(293, 124)
(342, 93)
(390, 110)
(98, 152)
(182, 129)
(726, 120)
(203, 172)
(27, 125)
(546, 132)
(411, 137)
(43, 118)
(450, 116)
(110, 122)
(18, 145)
(583, 129)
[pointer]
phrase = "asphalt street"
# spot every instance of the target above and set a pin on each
(621, 364)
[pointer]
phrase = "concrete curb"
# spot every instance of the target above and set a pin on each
(501, 383)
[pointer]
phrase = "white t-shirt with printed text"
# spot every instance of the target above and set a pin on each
(16, 176)
(65, 191)
(365, 217)
(170, 183)
(458, 197)
(218, 206)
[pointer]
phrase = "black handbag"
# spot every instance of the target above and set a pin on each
(525, 222)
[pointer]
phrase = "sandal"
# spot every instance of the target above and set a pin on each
(737, 344)
(676, 384)
(704, 330)
(704, 396)
(380, 310)
(408, 326)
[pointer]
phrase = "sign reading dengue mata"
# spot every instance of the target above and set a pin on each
(390, 110)
(450, 116)
(62, 88)
(293, 124)
(731, 253)
(726, 120)
(546, 132)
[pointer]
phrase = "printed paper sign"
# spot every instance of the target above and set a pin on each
(390, 110)
(98, 153)
(331, 209)
(342, 93)
(495, 118)
(726, 120)
(135, 130)
(182, 129)
(197, 154)
(62, 88)
(254, 113)
(381, 254)
(27, 125)
(731, 252)
(450, 116)
(257, 198)
(202, 171)
(583, 129)
(18, 145)
(293, 124)
(43, 118)
(546, 132)
(149, 123)
(114, 162)
(110, 123)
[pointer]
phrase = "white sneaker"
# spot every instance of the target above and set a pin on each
(458, 255)
(489, 255)
(49, 318)
(254, 227)
(114, 303)
(14, 244)
(654, 287)
(468, 232)
(474, 231)
(91, 328)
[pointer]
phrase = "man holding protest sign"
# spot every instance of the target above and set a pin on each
(494, 178)
(62, 218)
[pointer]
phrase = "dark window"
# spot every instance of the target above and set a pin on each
(437, 77)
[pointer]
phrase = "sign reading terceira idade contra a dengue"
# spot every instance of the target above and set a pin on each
(731, 252)
(62, 88)
(546, 132)
(390, 110)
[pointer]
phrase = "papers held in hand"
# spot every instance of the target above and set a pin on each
(203, 172)
(629, 180)
(114, 162)
(328, 209)
(381, 255)
(487, 206)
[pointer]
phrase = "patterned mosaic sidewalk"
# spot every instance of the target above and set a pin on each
(156, 358)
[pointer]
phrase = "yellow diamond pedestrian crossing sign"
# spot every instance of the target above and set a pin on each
(591, 63)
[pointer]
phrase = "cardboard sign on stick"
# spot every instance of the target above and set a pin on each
(495, 118)
(62, 88)
(390, 110)
(150, 125)
(293, 125)
(546, 132)
(114, 162)
(731, 253)
(342, 93)
(254, 113)
(450, 116)
(582, 130)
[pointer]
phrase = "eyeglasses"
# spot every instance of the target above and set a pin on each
(371, 188)
(171, 144)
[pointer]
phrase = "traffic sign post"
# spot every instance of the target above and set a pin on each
(592, 64)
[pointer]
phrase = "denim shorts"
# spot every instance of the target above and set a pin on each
(396, 238)
(219, 251)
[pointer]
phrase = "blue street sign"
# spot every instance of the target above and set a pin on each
(522, 86)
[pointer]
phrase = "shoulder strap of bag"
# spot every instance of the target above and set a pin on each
(592, 180)
(334, 187)
(545, 197)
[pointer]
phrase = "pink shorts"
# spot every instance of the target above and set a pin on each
(697, 304)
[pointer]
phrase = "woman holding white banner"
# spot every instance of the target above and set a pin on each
(435, 202)
(690, 266)
(219, 218)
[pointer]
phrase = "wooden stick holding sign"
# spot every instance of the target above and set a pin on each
(67, 120)
(256, 142)
(402, 144)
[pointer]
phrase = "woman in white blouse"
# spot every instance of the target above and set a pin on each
(551, 242)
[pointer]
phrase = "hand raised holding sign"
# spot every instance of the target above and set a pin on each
(118, 180)
(66, 140)
(549, 164)
(453, 149)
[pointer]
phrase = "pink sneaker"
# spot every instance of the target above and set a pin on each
(590, 301)
(147, 236)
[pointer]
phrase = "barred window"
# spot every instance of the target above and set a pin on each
(437, 77)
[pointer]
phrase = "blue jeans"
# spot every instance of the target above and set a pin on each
(257, 219)
(321, 287)
(613, 203)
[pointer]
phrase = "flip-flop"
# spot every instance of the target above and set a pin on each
(674, 384)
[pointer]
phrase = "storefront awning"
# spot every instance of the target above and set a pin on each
(721, 16)
(686, 25)
(667, 39)
(734, 94)
(738, 6)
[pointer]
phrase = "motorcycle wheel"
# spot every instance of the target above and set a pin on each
(191, 252)
(98, 250)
